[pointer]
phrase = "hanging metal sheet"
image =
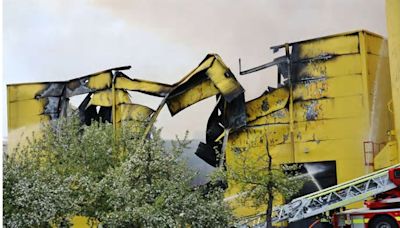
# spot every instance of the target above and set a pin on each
(208, 79)
(105, 98)
(152, 88)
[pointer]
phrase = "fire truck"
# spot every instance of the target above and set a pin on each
(379, 190)
(382, 211)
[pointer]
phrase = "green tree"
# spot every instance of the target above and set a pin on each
(117, 179)
(261, 181)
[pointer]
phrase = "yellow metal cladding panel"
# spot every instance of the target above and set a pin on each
(238, 152)
(329, 129)
(24, 91)
(339, 107)
(100, 81)
(364, 70)
(17, 135)
(338, 66)
(149, 87)
(387, 156)
(223, 79)
(330, 87)
(376, 45)
(267, 104)
(27, 107)
(393, 27)
(281, 153)
(338, 45)
(380, 94)
(195, 94)
(378, 69)
(378, 65)
(17, 121)
(105, 98)
(28, 111)
(277, 117)
(252, 157)
(278, 144)
(255, 136)
(133, 112)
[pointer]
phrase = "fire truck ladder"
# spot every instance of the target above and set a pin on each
(335, 197)
(328, 199)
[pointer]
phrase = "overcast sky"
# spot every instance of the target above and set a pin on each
(48, 40)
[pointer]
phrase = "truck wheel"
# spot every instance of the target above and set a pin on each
(383, 222)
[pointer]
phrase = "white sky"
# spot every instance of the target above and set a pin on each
(47, 40)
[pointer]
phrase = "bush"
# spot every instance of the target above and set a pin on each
(113, 177)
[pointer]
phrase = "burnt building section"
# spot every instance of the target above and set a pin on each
(106, 99)
(325, 106)
(50, 100)
(211, 78)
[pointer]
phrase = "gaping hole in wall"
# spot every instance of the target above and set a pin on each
(81, 105)
(144, 99)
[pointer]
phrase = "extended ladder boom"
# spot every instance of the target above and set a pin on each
(335, 197)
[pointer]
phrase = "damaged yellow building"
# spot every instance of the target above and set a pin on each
(331, 111)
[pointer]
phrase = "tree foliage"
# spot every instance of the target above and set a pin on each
(262, 182)
(116, 179)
